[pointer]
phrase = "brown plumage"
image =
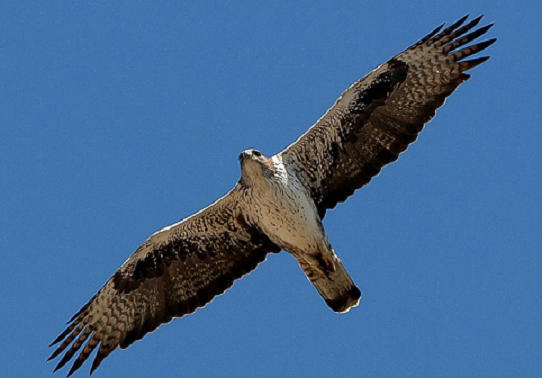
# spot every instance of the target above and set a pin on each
(170, 275)
(380, 115)
(278, 203)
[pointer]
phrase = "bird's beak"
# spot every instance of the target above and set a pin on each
(243, 155)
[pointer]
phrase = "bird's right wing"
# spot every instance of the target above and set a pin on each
(177, 270)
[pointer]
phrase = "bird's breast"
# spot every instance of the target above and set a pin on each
(286, 214)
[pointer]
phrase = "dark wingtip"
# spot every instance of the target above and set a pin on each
(456, 24)
(56, 341)
(469, 64)
(52, 356)
(58, 366)
(76, 365)
(484, 29)
(484, 45)
(434, 32)
(437, 29)
(475, 21)
(463, 19)
(95, 364)
(62, 336)
(56, 353)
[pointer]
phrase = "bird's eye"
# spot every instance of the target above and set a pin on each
(256, 153)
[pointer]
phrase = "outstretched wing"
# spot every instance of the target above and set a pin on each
(173, 273)
(380, 115)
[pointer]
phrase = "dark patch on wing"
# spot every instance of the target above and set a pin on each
(337, 132)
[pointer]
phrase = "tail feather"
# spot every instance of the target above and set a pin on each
(332, 281)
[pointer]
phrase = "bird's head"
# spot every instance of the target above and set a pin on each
(254, 164)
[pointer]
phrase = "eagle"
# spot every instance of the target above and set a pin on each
(279, 202)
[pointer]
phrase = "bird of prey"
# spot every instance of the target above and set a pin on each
(279, 202)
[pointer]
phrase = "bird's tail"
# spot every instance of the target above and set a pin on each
(327, 274)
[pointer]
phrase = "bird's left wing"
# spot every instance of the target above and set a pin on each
(380, 115)
(173, 273)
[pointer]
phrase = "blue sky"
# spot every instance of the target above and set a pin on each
(117, 120)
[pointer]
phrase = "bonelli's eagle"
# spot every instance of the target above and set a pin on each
(279, 202)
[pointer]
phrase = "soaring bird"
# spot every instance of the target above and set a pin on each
(279, 202)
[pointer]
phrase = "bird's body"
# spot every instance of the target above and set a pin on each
(282, 208)
(279, 202)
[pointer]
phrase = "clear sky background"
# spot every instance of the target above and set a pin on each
(119, 118)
